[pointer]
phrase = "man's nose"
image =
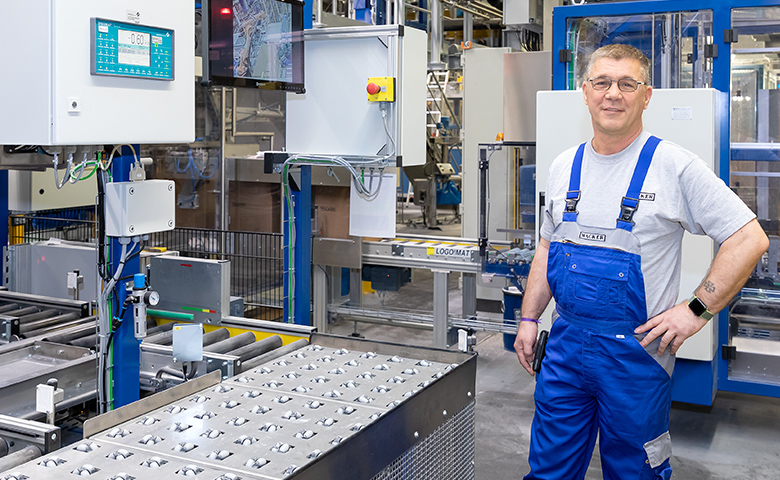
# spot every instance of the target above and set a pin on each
(613, 90)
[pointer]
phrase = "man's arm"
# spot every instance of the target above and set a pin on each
(537, 296)
(730, 270)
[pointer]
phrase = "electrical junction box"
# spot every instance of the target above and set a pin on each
(140, 208)
(187, 342)
(94, 72)
(383, 89)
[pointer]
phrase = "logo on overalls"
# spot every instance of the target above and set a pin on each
(596, 237)
(650, 197)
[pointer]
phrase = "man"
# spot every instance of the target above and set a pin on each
(610, 256)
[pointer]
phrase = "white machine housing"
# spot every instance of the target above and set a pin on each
(47, 56)
(685, 116)
(335, 117)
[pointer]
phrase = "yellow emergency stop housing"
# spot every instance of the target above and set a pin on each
(386, 91)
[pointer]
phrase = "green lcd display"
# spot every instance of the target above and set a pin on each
(129, 50)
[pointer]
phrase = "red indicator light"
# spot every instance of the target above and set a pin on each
(186, 265)
(225, 11)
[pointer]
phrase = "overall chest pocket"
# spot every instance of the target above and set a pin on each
(596, 284)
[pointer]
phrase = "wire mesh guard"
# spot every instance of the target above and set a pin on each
(256, 261)
(76, 224)
(445, 454)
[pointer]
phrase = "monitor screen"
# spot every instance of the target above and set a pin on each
(255, 43)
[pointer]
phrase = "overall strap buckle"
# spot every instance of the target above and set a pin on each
(627, 209)
(572, 197)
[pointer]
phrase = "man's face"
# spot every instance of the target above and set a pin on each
(616, 113)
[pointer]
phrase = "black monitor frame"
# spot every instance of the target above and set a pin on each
(217, 33)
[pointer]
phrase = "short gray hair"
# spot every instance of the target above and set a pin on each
(619, 52)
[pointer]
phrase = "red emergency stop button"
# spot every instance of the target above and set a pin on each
(373, 88)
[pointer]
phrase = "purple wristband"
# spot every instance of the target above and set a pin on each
(527, 319)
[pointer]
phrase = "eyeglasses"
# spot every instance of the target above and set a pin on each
(625, 84)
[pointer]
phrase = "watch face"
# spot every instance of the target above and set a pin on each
(697, 306)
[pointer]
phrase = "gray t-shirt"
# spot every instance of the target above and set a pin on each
(680, 193)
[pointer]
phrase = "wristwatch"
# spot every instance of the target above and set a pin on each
(699, 308)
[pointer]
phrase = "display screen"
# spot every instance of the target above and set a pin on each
(256, 43)
(128, 50)
(134, 48)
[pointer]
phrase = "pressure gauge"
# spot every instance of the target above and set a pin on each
(152, 298)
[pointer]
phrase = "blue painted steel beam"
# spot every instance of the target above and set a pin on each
(127, 353)
(308, 15)
(770, 154)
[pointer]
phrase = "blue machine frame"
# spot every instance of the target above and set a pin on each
(693, 380)
(126, 348)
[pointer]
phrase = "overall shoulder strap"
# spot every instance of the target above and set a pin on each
(573, 195)
(630, 202)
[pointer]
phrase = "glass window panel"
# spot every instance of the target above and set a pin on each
(674, 43)
(755, 177)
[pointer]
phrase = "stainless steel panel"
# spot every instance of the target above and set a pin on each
(107, 461)
(336, 252)
(525, 73)
(40, 268)
(122, 414)
(193, 285)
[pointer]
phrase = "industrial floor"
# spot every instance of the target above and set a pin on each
(737, 439)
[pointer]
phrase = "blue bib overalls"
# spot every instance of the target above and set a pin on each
(596, 378)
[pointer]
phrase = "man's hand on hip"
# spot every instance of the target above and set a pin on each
(674, 326)
(525, 343)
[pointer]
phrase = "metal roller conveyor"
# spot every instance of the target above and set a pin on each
(160, 370)
(27, 365)
(258, 348)
(232, 343)
(221, 352)
(48, 320)
(339, 408)
(27, 316)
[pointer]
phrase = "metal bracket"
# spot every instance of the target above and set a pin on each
(711, 51)
(728, 352)
(729, 36)
(565, 55)
(43, 435)
(9, 328)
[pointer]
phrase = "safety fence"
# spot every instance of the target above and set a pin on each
(256, 259)
(256, 263)
(78, 224)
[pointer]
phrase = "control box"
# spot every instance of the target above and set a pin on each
(140, 208)
(94, 72)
